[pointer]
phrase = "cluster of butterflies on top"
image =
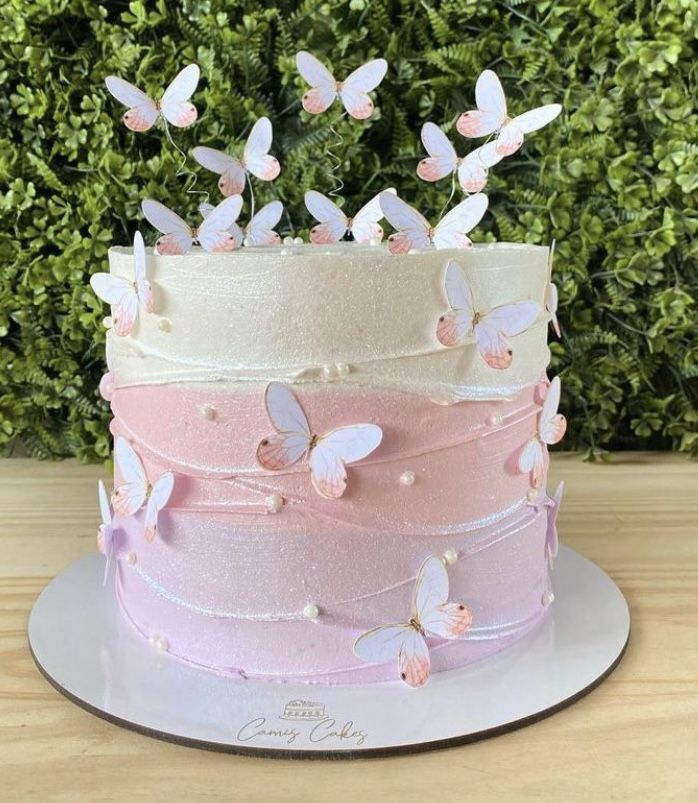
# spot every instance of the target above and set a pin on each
(219, 231)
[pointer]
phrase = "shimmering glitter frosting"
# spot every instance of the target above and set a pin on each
(252, 572)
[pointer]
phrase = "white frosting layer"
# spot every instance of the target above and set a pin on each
(288, 313)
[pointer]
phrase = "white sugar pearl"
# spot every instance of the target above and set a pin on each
(342, 369)
(108, 322)
(547, 598)
(374, 242)
(329, 371)
(311, 611)
(284, 252)
(164, 325)
(494, 420)
(131, 558)
(407, 478)
(450, 556)
(288, 240)
(208, 411)
(153, 640)
(531, 494)
(274, 503)
(298, 241)
(162, 644)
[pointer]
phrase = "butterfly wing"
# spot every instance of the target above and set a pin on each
(403, 642)
(333, 451)
(473, 170)
(431, 607)
(143, 288)
(412, 228)
(214, 233)
(260, 230)
(177, 237)
(494, 327)
(452, 229)
(175, 104)
(354, 90)
(130, 496)
(230, 169)
(491, 109)
(456, 326)
(121, 294)
(442, 159)
(551, 538)
(364, 225)
(104, 506)
(256, 157)
(159, 497)
(533, 458)
(536, 118)
(551, 302)
(142, 111)
(292, 438)
(324, 87)
(333, 222)
(552, 425)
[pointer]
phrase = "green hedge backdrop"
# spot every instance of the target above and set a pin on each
(612, 179)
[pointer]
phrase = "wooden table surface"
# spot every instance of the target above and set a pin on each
(635, 738)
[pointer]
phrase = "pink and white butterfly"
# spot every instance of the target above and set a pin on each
(551, 295)
(551, 427)
(491, 116)
(334, 224)
(136, 490)
(126, 296)
(353, 91)
(431, 614)
(415, 233)
(260, 230)
(443, 161)
(327, 454)
(106, 532)
(213, 234)
(255, 159)
(552, 509)
(490, 329)
(174, 105)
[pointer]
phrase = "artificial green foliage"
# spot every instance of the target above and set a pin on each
(613, 180)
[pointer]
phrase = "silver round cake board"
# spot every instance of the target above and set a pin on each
(85, 648)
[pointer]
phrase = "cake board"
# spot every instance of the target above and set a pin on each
(86, 650)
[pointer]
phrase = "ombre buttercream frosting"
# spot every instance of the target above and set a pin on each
(252, 573)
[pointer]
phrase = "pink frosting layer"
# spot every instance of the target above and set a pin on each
(226, 583)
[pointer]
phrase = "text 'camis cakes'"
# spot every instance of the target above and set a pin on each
(330, 456)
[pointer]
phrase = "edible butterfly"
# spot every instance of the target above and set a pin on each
(551, 295)
(327, 454)
(414, 232)
(551, 539)
(213, 234)
(490, 329)
(260, 230)
(443, 161)
(551, 427)
(126, 296)
(353, 91)
(431, 614)
(174, 105)
(334, 224)
(491, 116)
(105, 534)
(136, 491)
(255, 159)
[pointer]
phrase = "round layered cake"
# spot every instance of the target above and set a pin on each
(276, 568)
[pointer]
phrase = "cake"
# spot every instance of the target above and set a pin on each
(331, 457)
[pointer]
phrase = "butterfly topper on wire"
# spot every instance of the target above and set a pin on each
(415, 233)
(107, 533)
(334, 223)
(173, 107)
(491, 116)
(471, 170)
(533, 457)
(327, 455)
(126, 296)
(255, 159)
(259, 231)
(431, 614)
(551, 294)
(490, 329)
(213, 234)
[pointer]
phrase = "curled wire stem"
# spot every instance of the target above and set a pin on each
(335, 161)
(183, 170)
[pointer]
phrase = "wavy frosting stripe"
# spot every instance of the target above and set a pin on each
(288, 314)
